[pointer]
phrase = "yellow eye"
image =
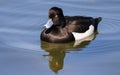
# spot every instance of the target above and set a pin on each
(56, 16)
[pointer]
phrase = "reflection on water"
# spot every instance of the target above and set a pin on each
(20, 27)
(57, 52)
(56, 60)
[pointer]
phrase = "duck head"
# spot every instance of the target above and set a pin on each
(56, 17)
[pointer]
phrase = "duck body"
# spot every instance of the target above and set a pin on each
(69, 28)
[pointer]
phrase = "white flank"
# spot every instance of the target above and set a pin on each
(49, 23)
(80, 36)
(89, 38)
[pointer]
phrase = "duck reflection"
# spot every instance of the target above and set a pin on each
(57, 52)
(56, 60)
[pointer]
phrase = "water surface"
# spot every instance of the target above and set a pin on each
(23, 53)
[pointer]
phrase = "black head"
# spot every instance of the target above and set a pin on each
(56, 14)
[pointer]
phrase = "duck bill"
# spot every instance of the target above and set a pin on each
(49, 23)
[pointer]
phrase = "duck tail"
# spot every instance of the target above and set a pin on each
(97, 20)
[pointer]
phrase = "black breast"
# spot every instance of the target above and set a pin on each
(57, 35)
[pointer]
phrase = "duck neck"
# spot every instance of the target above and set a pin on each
(63, 21)
(57, 28)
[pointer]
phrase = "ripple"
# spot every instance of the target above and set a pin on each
(96, 47)
(110, 26)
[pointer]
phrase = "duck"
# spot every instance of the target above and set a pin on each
(64, 29)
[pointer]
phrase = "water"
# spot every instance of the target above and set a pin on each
(23, 53)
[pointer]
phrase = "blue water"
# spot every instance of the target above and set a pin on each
(23, 53)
